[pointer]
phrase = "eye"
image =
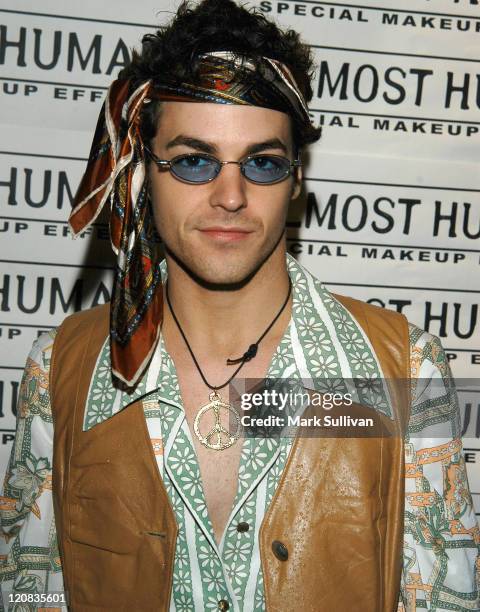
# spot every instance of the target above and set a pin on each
(193, 161)
(264, 162)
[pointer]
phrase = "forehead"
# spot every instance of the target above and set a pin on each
(225, 123)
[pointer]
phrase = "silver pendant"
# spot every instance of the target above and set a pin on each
(223, 438)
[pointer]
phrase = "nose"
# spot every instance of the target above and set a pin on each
(228, 188)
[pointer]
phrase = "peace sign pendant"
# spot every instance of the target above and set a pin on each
(222, 437)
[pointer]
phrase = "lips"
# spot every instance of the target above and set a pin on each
(226, 233)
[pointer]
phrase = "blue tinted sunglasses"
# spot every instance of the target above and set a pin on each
(199, 168)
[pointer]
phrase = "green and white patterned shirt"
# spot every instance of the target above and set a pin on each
(322, 343)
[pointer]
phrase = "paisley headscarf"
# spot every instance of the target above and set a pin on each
(116, 173)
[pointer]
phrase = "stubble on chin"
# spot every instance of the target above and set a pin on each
(223, 268)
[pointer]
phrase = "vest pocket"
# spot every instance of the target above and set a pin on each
(114, 559)
(102, 524)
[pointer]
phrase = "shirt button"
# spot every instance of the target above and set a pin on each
(280, 550)
(241, 527)
(223, 604)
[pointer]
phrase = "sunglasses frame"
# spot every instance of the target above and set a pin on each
(167, 164)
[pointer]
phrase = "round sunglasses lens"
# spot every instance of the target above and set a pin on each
(195, 168)
(266, 168)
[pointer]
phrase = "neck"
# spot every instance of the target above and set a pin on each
(228, 321)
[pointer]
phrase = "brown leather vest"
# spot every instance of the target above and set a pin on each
(338, 508)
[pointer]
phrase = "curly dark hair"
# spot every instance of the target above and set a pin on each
(213, 25)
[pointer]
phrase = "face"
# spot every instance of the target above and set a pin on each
(221, 231)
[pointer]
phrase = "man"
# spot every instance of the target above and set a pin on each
(125, 412)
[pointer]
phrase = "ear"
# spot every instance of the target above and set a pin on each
(297, 182)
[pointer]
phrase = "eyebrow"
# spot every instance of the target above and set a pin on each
(207, 147)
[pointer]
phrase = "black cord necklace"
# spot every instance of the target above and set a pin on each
(224, 437)
(249, 354)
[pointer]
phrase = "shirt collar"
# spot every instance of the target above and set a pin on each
(328, 345)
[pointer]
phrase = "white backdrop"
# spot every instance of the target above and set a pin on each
(391, 206)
